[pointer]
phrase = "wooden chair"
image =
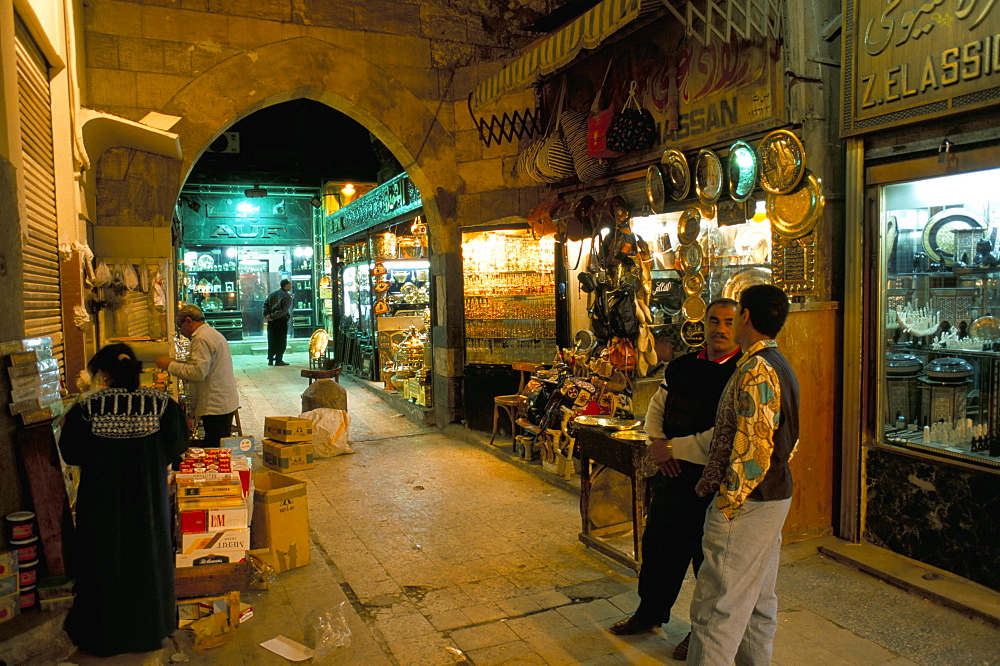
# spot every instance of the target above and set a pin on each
(509, 403)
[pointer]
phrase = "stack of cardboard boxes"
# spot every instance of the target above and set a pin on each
(288, 444)
(34, 379)
(9, 590)
(213, 488)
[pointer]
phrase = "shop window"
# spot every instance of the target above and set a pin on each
(940, 335)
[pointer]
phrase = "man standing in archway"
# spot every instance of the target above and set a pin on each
(277, 312)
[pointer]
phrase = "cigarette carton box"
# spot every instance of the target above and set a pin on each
(192, 543)
(9, 607)
(288, 429)
(188, 488)
(31, 356)
(27, 344)
(197, 520)
(8, 585)
(209, 557)
(240, 446)
(8, 563)
(288, 457)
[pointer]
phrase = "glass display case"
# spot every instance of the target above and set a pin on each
(940, 342)
(510, 306)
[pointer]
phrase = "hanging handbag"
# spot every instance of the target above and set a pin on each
(541, 218)
(598, 123)
(572, 221)
(587, 168)
(633, 128)
(554, 161)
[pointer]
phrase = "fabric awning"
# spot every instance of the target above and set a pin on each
(586, 32)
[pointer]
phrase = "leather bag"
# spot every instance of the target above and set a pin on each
(598, 123)
(541, 218)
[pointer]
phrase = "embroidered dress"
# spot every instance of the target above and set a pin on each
(122, 555)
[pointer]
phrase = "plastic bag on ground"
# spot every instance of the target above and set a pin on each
(212, 631)
(330, 431)
(326, 630)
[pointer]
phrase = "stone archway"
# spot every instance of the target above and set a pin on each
(306, 67)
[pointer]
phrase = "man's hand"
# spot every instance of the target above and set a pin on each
(163, 362)
(660, 453)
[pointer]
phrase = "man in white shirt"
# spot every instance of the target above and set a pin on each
(211, 385)
(679, 422)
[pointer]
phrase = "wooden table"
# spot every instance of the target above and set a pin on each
(624, 456)
(213, 581)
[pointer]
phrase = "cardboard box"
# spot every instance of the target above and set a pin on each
(191, 542)
(50, 411)
(204, 557)
(288, 457)
(36, 390)
(34, 368)
(9, 607)
(281, 519)
(31, 356)
(288, 429)
(32, 404)
(208, 520)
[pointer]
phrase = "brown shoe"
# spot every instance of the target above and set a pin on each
(681, 651)
(632, 625)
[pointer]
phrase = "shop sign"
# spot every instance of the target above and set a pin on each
(725, 89)
(907, 61)
(390, 199)
(232, 220)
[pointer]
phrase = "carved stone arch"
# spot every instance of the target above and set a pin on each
(306, 67)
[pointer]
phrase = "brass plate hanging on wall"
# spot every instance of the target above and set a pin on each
(694, 283)
(689, 226)
(694, 308)
(693, 333)
(795, 214)
(793, 262)
(678, 173)
(708, 177)
(741, 171)
(690, 257)
(782, 161)
(656, 188)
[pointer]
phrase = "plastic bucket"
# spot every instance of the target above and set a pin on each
(28, 574)
(29, 597)
(19, 525)
(27, 549)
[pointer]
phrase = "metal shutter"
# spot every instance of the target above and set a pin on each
(42, 307)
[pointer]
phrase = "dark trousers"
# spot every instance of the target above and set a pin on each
(277, 339)
(672, 540)
(216, 427)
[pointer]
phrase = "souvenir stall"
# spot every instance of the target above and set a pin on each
(381, 290)
(237, 245)
(924, 153)
(682, 183)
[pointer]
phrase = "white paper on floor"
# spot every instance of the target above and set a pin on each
(287, 648)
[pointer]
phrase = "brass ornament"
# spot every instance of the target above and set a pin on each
(656, 188)
(782, 161)
(795, 214)
(690, 258)
(693, 333)
(678, 173)
(694, 283)
(708, 177)
(793, 264)
(694, 308)
(689, 226)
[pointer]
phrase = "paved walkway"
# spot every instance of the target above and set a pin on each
(446, 554)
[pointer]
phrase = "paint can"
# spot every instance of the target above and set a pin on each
(27, 549)
(19, 525)
(27, 574)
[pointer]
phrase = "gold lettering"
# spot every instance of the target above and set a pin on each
(869, 84)
(907, 92)
(890, 83)
(929, 78)
(972, 62)
(949, 66)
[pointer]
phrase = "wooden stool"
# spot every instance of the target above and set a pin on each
(237, 426)
(510, 403)
(313, 375)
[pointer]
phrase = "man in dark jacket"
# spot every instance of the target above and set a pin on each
(277, 312)
(734, 612)
(679, 423)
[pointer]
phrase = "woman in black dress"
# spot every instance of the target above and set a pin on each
(123, 438)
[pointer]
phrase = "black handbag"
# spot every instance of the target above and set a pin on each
(621, 314)
(633, 128)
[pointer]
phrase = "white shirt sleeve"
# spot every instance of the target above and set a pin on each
(654, 414)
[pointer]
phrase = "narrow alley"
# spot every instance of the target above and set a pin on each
(446, 554)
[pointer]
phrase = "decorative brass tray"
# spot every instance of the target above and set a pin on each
(939, 238)
(689, 226)
(656, 188)
(694, 308)
(607, 422)
(690, 257)
(693, 333)
(694, 283)
(795, 214)
(708, 177)
(782, 161)
(747, 277)
(632, 435)
(742, 171)
(678, 172)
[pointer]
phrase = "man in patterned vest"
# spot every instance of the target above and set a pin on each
(734, 609)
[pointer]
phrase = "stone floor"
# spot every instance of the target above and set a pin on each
(447, 554)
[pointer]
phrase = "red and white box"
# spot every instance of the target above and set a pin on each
(195, 519)
(192, 543)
